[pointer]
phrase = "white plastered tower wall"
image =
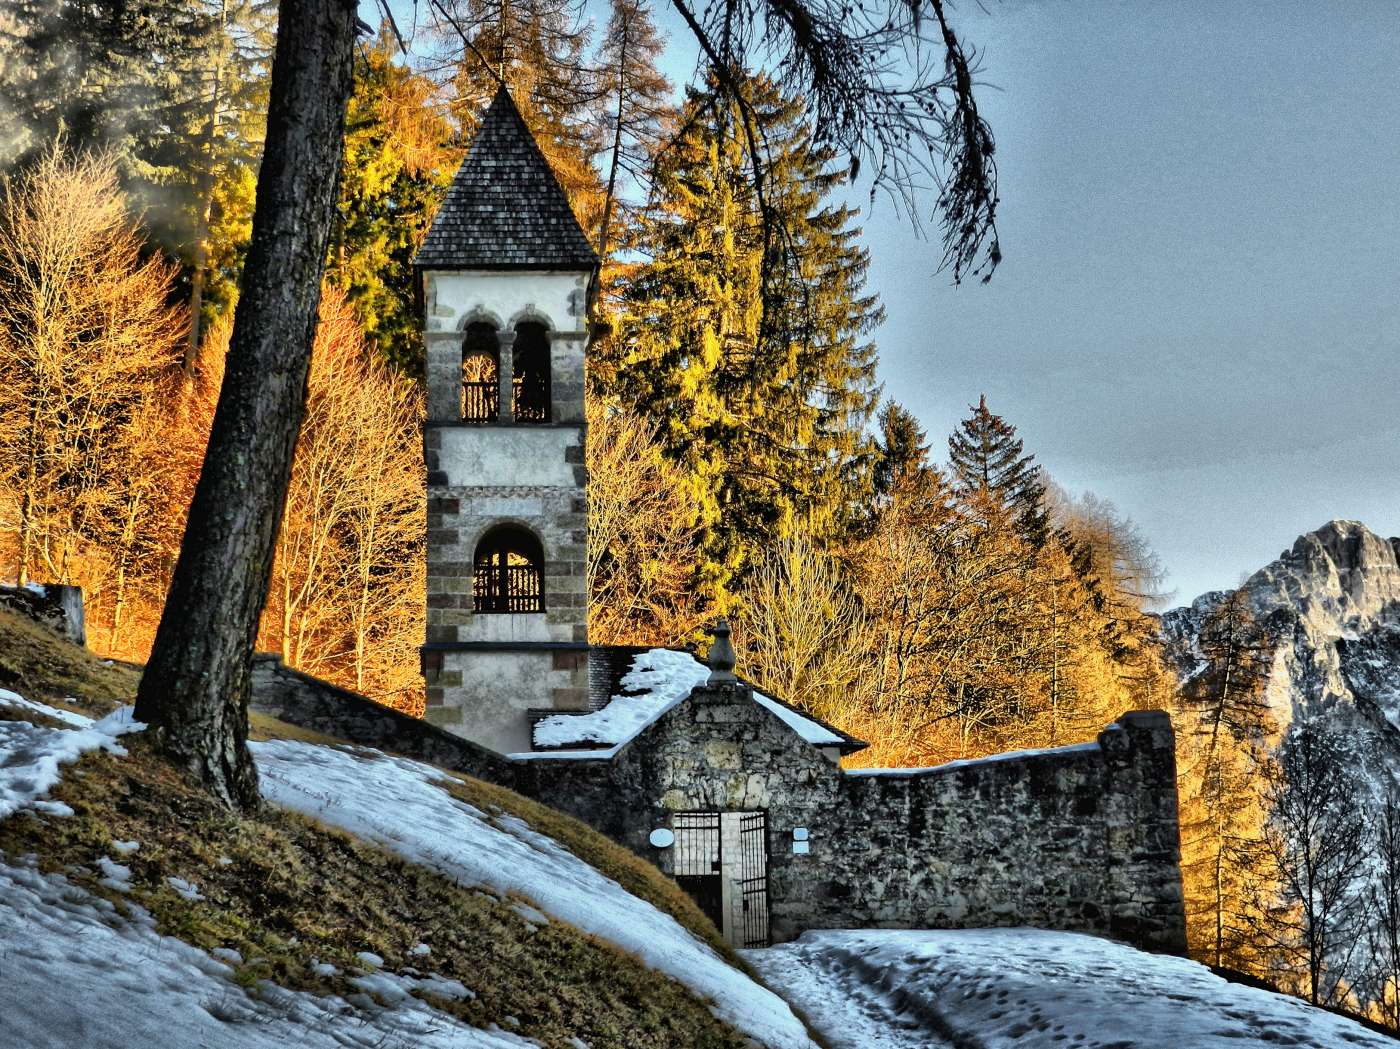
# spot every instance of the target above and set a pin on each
(505, 255)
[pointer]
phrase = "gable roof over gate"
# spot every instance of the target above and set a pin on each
(632, 687)
(505, 209)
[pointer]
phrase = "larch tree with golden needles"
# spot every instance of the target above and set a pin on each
(642, 537)
(801, 631)
(1225, 730)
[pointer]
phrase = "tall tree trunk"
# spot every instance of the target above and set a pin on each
(616, 148)
(206, 206)
(194, 693)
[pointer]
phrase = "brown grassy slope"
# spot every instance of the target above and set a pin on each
(283, 890)
(40, 665)
(293, 890)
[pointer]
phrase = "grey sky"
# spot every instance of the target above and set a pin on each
(1199, 312)
(1198, 316)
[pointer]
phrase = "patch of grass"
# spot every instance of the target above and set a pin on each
(284, 890)
(39, 664)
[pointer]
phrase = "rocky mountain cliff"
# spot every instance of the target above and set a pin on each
(1330, 610)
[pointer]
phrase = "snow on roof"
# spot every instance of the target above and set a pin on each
(1010, 755)
(659, 679)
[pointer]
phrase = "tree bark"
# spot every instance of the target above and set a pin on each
(194, 693)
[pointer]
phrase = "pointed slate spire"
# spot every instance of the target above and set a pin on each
(505, 209)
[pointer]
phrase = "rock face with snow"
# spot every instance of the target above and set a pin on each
(1330, 608)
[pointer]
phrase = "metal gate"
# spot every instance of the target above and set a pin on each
(699, 866)
(753, 877)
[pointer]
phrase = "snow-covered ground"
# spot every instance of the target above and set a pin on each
(140, 988)
(75, 973)
(30, 755)
(999, 988)
(399, 804)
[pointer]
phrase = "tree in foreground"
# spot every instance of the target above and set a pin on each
(195, 690)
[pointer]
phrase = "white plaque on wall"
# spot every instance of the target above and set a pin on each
(662, 837)
(801, 848)
(799, 833)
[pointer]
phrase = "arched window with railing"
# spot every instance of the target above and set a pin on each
(481, 383)
(530, 386)
(508, 571)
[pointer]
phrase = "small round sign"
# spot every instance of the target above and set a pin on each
(662, 837)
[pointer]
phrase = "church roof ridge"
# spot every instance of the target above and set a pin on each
(505, 208)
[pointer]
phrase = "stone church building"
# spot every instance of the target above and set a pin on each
(738, 795)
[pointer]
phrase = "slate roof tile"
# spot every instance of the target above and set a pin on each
(505, 209)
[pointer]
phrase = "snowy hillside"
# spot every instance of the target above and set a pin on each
(1022, 987)
(143, 987)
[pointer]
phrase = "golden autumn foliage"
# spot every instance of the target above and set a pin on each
(943, 633)
(102, 435)
(642, 535)
(87, 345)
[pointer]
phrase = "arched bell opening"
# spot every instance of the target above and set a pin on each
(481, 384)
(508, 571)
(530, 388)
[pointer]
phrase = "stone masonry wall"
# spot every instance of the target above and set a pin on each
(1080, 838)
(300, 699)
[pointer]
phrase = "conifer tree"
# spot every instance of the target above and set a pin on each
(902, 449)
(986, 456)
(1221, 824)
(400, 154)
(635, 105)
(766, 421)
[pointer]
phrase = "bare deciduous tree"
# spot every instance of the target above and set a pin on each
(1382, 971)
(346, 595)
(86, 334)
(1316, 844)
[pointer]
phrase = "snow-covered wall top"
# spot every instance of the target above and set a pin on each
(659, 679)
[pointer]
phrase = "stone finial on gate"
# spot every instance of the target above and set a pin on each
(722, 657)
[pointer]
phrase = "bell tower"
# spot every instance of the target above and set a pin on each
(505, 276)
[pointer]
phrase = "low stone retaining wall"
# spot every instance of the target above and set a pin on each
(1081, 838)
(58, 607)
(300, 699)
